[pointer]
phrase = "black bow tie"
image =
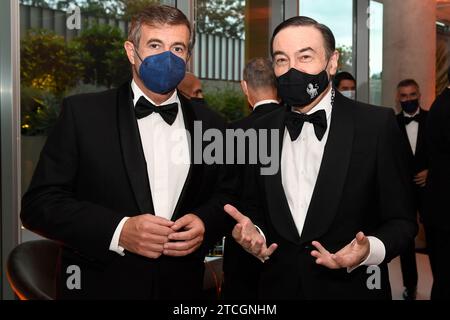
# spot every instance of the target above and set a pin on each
(294, 123)
(408, 120)
(145, 108)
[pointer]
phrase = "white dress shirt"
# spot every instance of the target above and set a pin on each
(412, 129)
(300, 164)
(166, 152)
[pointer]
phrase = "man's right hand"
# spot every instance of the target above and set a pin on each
(146, 235)
(246, 234)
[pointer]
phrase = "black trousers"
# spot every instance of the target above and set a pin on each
(438, 245)
(408, 258)
(409, 267)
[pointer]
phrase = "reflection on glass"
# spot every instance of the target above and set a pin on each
(338, 16)
(376, 52)
(67, 47)
(219, 54)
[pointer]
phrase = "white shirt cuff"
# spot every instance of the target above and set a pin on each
(261, 232)
(114, 246)
(377, 253)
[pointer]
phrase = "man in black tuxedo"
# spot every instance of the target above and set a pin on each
(342, 174)
(116, 183)
(437, 212)
(241, 269)
(412, 121)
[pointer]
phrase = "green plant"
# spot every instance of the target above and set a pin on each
(345, 58)
(228, 102)
(49, 64)
(44, 109)
(107, 64)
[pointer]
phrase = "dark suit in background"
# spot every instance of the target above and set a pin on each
(241, 269)
(437, 214)
(91, 174)
(418, 162)
(363, 185)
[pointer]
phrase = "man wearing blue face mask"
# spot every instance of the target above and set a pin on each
(116, 184)
(412, 121)
(342, 200)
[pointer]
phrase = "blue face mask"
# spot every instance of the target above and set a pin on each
(163, 72)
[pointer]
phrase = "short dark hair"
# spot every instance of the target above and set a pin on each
(407, 83)
(448, 74)
(154, 15)
(327, 34)
(258, 73)
(344, 75)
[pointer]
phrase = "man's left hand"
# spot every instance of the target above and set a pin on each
(188, 236)
(421, 178)
(350, 256)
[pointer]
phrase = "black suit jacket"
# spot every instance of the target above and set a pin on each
(438, 184)
(92, 173)
(363, 185)
(420, 158)
(241, 269)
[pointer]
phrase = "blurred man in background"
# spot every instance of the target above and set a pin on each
(412, 121)
(345, 83)
(241, 269)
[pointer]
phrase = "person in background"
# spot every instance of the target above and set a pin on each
(345, 83)
(191, 87)
(241, 269)
(437, 213)
(412, 121)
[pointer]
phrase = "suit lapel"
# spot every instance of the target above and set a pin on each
(332, 174)
(132, 152)
(421, 131)
(277, 204)
(195, 170)
(402, 124)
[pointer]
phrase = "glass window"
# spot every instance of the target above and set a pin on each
(339, 18)
(375, 52)
(67, 47)
(219, 54)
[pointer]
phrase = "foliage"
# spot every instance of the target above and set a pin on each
(222, 17)
(230, 103)
(131, 7)
(345, 58)
(43, 111)
(107, 64)
(43, 57)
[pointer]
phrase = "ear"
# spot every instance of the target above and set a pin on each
(333, 63)
(397, 98)
(244, 87)
(129, 48)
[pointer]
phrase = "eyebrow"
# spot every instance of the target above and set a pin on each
(306, 49)
(160, 42)
(298, 51)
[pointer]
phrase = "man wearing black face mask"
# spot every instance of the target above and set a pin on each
(412, 121)
(191, 88)
(342, 199)
(116, 184)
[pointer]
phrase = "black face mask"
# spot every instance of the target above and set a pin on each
(298, 89)
(410, 106)
(201, 102)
